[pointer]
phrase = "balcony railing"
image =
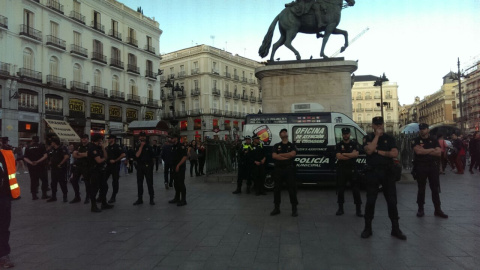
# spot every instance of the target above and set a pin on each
(389, 109)
(55, 5)
(56, 81)
(96, 56)
(216, 92)
(53, 111)
(98, 26)
(359, 110)
(99, 91)
(359, 98)
(214, 71)
(29, 74)
(376, 109)
(368, 109)
(180, 114)
(377, 97)
(23, 106)
(195, 71)
(195, 92)
(30, 32)
(182, 74)
(133, 98)
(149, 49)
(244, 79)
(78, 50)
(132, 41)
(216, 112)
(115, 62)
(235, 77)
(115, 34)
(181, 95)
(3, 22)
(195, 112)
(79, 86)
(56, 42)
(152, 102)
(77, 17)
(133, 69)
(117, 94)
(236, 96)
(227, 94)
(228, 75)
(4, 68)
(244, 97)
(253, 99)
(150, 74)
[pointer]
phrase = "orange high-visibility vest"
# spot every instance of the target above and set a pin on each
(11, 170)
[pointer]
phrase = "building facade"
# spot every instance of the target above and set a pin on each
(92, 64)
(366, 103)
(216, 90)
(471, 99)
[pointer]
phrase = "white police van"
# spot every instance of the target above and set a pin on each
(315, 135)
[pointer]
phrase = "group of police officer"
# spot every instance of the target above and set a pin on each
(381, 150)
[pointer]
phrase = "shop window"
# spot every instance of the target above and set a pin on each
(215, 123)
(235, 125)
(227, 125)
(197, 124)
(183, 125)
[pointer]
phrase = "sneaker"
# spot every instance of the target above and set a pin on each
(5, 262)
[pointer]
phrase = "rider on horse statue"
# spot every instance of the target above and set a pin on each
(301, 7)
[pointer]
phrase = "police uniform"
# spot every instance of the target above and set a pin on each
(258, 171)
(82, 168)
(244, 167)
(5, 214)
(98, 182)
(145, 170)
(284, 171)
(379, 172)
(346, 172)
(426, 167)
(58, 171)
(35, 151)
(179, 152)
(114, 151)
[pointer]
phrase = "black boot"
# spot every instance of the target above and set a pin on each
(76, 199)
(340, 209)
(151, 201)
(359, 210)
(237, 191)
(139, 201)
(94, 207)
(439, 213)
(45, 196)
(294, 211)
(396, 232)
(34, 196)
(420, 212)
(367, 232)
(52, 199)
(87, 200)
(275, 211)
(112, 199)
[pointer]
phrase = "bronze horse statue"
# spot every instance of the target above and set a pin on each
(290, 24)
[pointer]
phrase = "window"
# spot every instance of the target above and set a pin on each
(195, 83)
(195, 65)
(235, 107)
(28, 59)
(115, 83)
(389, 117)
(28, 100)
(172, 72)
(133, 87)
(182, 106)
(53, 103)
(114, 27)
(227, 87)
(77, 38)
(77, 73)
(97, 47)
(227, 106)
(53, 66)
(97, 78)
(196, 104)
(355, 134)
(76, 6)
(214, 67)
(53, 29)
(150, 91)
(28, 18)
(215, 84)
(215, 104)
(149, 66)
(132, 60)
(235, 90)
(359, 118)
(96, 19)
(149, 42)
(116, 54)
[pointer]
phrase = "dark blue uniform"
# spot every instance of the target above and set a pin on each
(58, 170)
(168, 170)
(346, 172)
(82, 168)
(244, 167)
(284, 171)
(258, 171)
(97, 177)
(34, 152)
(179, 152)
(145, 170)
(114, 151)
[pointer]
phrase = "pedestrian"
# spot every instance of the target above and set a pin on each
(179, 166)
(145, 159)
(71, 162)
(8, 190)
(97, 156)
(245, 162)
(36, 159)
(192, 154)
(346, 154)
(156, 150)
(381, 149)
(167, 157)
(202, 152)
(131, 159)
(283, 153)
(82, 167)
(58, 164)
(19, 153)
(114, 156)
(258, 166)
(443, 157)
(474, 146)
(426, 161)
(458, 146)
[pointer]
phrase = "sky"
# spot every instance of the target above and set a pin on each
(414, 42)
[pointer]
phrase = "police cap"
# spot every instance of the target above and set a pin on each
(422, 126)
(345, 130)
(377, 120)
(282, 130)
(5, 139)
(248, 137)
(256, 137)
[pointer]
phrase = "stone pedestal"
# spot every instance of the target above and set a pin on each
(327, 82)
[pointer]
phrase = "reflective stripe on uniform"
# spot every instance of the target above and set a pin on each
(10, 176)
(14, 186)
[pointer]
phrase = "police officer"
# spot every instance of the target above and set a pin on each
(380, 149)
(426, 162)
(82, 167)
(179, 167)
(167, 157)
(244, 169)
(98, 157)
(114, 157)
(283, 153)
(346, 154)
(35, 157)
(5, 211)
(258, 167)
(58, 164)
(145, 160)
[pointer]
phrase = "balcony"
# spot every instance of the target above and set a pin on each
(252, 81)
(244, 79)
(27, 107)
(56, 81)
(377, 97)
(368, 97)
(79, 86)
(180, 114)
(195, 92)
(99, 91)
(216, 92)
(244, 97)
(150, 74)
(216, 112)
(253, 99)
(359, 98)
(195, 112)
(3, 22)
(53, 111)
(227, 94)
(98, 26)
(182, 74)
(259, 100)
(77, 17)
(133, 98)
(30, 33)
(99, 58)
(170, 96)
(116, 63)
(132, 41)
(28, 74)
(235, 77)
(149, 49)
(359, 110)
(115, 34)
(78, 51)
(228, 75)
(376, 109)
(133, 69)
(55, 5)
(236, 96)
(227, 113)
(195, 71)
(55, 42)
(181, 95)
(115, 94)
(368, 109)
(152, 102)
(4, 68)
(214, 71)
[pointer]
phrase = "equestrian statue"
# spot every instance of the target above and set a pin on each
(309, 17)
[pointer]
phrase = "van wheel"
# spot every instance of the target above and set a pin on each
(269, 183)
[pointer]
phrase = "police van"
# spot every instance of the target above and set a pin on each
(315, 135)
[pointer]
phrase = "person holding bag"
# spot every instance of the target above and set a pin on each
(193, 157)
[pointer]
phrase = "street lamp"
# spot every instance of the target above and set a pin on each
(12, 86)
(379, 82)
(458, 77)
(175, 88)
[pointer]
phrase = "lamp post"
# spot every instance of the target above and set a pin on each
(12, 86)
(175, 88)
(458, 77)
(379, 82)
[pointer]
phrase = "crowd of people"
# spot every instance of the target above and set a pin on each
(460, 151)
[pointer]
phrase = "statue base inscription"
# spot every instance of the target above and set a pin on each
(327, 82)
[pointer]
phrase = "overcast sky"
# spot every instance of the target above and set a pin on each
(415, 42)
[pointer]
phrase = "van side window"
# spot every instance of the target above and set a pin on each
(310, 134)
(359, 136)
(338, 133)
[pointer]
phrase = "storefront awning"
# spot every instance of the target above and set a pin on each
(63, 130)
(149, 125)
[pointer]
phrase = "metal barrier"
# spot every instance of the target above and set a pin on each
(405, 151)
(220, 156)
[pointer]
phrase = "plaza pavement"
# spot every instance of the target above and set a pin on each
(218, 230)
